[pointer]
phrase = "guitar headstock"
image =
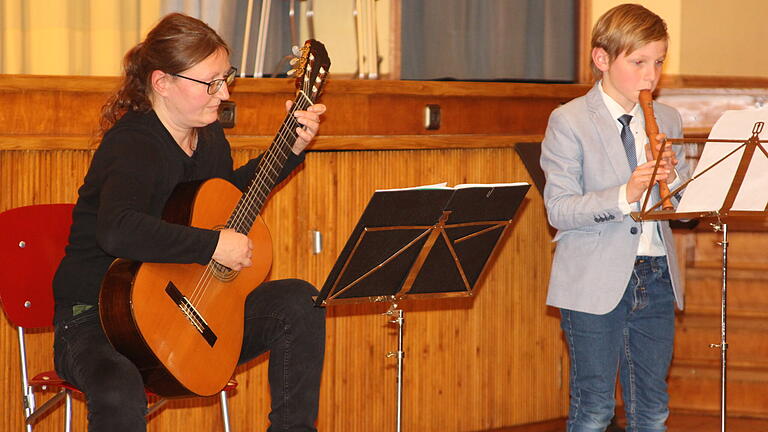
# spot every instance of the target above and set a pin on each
(311, 68)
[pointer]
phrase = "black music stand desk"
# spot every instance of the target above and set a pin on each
(421, 243)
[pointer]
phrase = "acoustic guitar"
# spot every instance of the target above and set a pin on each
(182, 324)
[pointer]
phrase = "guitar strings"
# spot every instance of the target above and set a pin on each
(259, 189)
(270, 162)
(269, 170)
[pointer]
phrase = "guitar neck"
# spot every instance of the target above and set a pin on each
(269, 169)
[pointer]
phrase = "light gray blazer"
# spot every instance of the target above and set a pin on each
(585, 165)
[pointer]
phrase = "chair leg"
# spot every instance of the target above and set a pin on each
(42, 409)
(29, 394)
(27, 411)
(68, 411)
(156, 406)
(224, 410)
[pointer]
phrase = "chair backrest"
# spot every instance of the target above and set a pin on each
(32, 241)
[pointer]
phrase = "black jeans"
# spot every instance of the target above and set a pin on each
(279, 317)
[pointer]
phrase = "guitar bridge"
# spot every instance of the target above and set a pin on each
(194, 317)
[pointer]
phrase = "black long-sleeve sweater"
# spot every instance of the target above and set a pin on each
(118, 211)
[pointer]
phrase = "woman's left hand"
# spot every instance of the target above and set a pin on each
(310, 119)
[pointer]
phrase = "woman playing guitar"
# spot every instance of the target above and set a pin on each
(161, 130)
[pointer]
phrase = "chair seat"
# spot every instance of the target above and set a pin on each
(51, 378)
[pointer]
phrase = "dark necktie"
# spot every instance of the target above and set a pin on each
(628, 140)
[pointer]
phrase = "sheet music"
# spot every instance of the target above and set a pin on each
(708, 192)
(444, 185)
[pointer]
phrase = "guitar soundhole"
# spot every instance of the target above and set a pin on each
(222, 272)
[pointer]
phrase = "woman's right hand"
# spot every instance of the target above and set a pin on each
(234, 250)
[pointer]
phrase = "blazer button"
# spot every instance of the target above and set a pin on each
(633, 230)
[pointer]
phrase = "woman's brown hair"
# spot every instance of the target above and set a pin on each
(175, 44)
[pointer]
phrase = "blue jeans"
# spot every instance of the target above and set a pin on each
(280, 317)
(636, 340)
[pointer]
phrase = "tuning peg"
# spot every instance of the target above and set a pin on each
(296, 51)
(291, 72)
(294, 60)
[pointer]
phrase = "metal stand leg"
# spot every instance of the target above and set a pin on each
(400, 354)
(224, 410)
(723, 345)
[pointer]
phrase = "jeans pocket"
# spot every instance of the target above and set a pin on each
(78, 320)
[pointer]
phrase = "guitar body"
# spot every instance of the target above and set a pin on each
(182, 324)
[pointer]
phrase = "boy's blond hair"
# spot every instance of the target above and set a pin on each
(624, 29)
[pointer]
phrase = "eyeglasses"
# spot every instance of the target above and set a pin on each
(216, 84)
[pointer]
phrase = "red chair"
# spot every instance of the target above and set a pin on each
(32, 241)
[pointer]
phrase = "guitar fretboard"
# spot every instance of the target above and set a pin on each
(268, 170)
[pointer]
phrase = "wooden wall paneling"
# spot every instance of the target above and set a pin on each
(392, 107)
(745, 248)
(39, 177)
(746, 297)
(40, 109)
(48, 105)
(745, 350)
(694, 387)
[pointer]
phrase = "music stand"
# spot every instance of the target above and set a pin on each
(421, 243)
(721, 216)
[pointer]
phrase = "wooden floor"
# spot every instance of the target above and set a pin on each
(678, 422)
